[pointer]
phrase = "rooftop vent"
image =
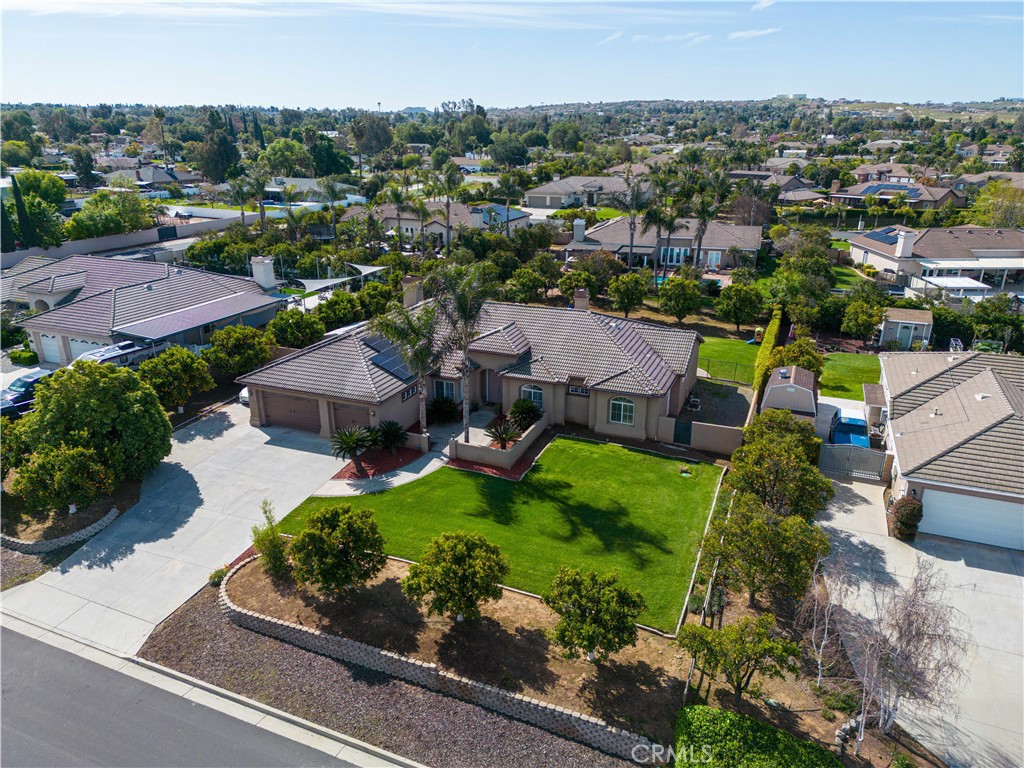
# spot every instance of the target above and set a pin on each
(952, 358)
(784, 373)
(149, 287)
(935, 412)
(982, 396)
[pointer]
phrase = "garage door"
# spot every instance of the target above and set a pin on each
(537, 201)
(79, 347)
(351, 415)
(51, 348)
(296, 412)
(988, 521)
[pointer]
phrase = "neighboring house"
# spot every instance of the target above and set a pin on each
(152, 177)
(781, 164)
(617, 377)
(956, 427)
(642, 167)
(792, 389)
(1013, 178)
(768, 178)
(905, 326)
(885, 144)
(918, 196)
(967, 251)
(648, 250)
(993, 154)
(86, 302)
(895, 172)
(486, 216)
(574, 191)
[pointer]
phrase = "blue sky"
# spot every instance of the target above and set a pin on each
(336, 53)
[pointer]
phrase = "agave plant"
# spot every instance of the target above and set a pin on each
(348, 443)
(504, 433)
(391, 436)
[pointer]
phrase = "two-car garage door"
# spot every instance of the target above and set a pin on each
(295, 412)
(988, 521)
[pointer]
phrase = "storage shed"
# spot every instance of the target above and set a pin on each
(793, 389)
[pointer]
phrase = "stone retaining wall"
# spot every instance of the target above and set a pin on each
(48, 545)
(558, 720)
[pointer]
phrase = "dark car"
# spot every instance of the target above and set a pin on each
(18, 398)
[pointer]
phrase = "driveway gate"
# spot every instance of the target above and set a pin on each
(851, 460)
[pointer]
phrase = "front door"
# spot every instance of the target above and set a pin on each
(714, 259)
(905, 334)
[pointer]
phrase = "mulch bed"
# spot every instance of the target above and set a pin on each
(17, 568)
(199, 640)
(378, 461)
(34, 526)
(517, 470)
(835, 342)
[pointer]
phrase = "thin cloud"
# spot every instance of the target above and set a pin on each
(690, 38)
(760, 5)
(613, 36)
(749, 34)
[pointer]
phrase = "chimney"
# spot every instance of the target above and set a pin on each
(581, 299)
(836, 184)
(905, 244)
(579, 230)
(412, 290)
(263, 272)
(477, 217)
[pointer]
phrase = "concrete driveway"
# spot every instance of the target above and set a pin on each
(194, 515)
(987, 585)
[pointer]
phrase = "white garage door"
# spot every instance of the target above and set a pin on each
(51, 348)
(79, 347)
(988, 521)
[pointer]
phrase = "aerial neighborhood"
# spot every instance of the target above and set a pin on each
(585, 434)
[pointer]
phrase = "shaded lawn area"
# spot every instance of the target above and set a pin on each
(846, 277)
(729, 359)
(845, 372)
(584, 505)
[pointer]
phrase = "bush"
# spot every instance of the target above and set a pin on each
(175, 375)
(762, 367)
(217, 577)
(57, 477)
(237, 350)
(24, 357)
(266, 539)
(901, 759)
(524, 413)
(711, 288)
(827, 714)
(11, 335)
(391, 436)
(906, 516)
(718, 738)
(442, 410)
(339, 548)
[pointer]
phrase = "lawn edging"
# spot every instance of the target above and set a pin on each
(43, 546)
(558, 720)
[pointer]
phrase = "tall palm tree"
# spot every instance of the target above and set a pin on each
(655, 218)
(704, 211)
(257, 179)
(418, 207)
(448, 184)
(633, 202)
(719, 186)
(395, 195)
(673, 224)
(292, 217)
(330, 190)
(461, 292)
(872, 201)
(508, 190)
(239, 193)
(414, 334)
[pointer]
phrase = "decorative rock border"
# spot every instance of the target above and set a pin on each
(43, 546)
(558, 720)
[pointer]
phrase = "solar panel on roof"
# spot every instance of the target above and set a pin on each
(880, 238)
(887, 230)
(376, 343)
(390, 361)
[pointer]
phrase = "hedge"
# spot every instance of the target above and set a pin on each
(768, 343)
(23, 357)
(718, 738)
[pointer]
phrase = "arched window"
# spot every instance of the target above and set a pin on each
(533, 392)
(621, 410)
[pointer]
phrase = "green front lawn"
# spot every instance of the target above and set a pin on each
(729, 350)
(845, 372)
(846, 277)
(586, 505)
(842, 245)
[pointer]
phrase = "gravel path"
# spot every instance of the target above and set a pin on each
(424, 726)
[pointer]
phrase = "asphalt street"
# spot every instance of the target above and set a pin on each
(63, 710)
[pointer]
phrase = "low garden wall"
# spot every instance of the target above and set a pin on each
(495, 457)
(715, 438)
(49, 545)
(558, 720)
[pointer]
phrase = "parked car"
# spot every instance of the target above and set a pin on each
(129, 353)
(243, 396)
(849, 427)
(19, 397)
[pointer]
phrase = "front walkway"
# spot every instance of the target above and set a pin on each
(194, 515)
(421, 467)
(986, 726)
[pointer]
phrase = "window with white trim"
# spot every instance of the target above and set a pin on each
(410, 392)
(621, 410)
(533, 392)
(581, 391)
(444, 388)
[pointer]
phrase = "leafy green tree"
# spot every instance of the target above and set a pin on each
(544, 264)
(45, 222)
(341, 308)
(372, 134)
(102, 408)
(459, 571)
(285, 157)
(237, 350)
(349, 442)
(107, 213)
(296, 329)
(999, 205)
(861, 320)
(802, 353)
(45, 185)
(217, 157)
(14, 447)
(339, 548)
(8, 235)
(17, 153)
(525, 286)
(627, 291)
(679, 297)
(267, 541)
(374, 300)
(596, 616)
(175, 375)
(572, 281)
(778, 473)
(564, 136)
(415, 334)
(326, 160)
(56, 477)
(740, 304)
(508, 150)
(773, 423)
(741, 650)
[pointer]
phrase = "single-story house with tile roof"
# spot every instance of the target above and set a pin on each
(573, 191)
(483, 216)
(152, 177)
(956, 430)
(905, 326)
(1013, 178)
(648, 250)
(88, 302)
(894, 172)
(918, 196)
(617, 377)
(793, 389)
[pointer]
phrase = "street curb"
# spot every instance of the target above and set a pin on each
(342, 739)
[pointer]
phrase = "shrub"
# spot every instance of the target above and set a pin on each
(24, 357)
(906, 516)
(175, 375)
(57, 477)
(711, 288)
(459, 570)
(391, 436)
(217, 576)
(827, 714)
(596, 615)
(237, 350)
(442, 410)
(719, 738)
(266, 539)
(901, 759)
(503, 432)
(339, 548)
(11, 335)
(524, 413)
(771, 338)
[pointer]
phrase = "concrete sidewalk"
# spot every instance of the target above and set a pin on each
(412, 471)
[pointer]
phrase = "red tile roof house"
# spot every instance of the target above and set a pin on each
(485, 216)
(617, 377)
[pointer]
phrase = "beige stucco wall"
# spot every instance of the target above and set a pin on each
(577, 409)
(599, 411)
(554, 397)
(714, 438)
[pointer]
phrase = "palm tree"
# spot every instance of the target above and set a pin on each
(257, 179)
(872, 201)
(399, 198)
(673, 224)
(418, 207)
(655, 218)
(507, 189)
(239, 193)
(330, 190)
(447, 185)
(461, 292)
(633, 201)
(719, 186)
(704, 210)
(293, 218)
(349, 442)
(414, 334)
